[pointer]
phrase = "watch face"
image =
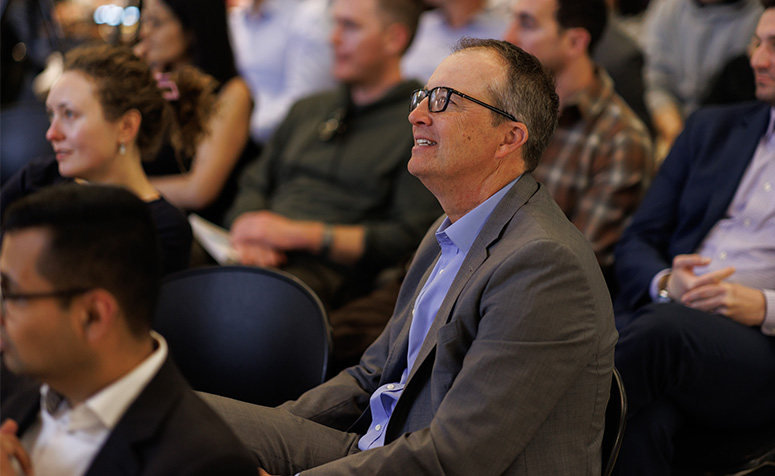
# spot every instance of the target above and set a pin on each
(663, 296)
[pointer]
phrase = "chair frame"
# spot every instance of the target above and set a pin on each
(616, 412)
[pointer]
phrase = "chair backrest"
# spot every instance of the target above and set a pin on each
(615, 421)
(253, 334)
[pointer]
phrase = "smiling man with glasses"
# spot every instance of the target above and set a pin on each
(79, 271)
(499, 354)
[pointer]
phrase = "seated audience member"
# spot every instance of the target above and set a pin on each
(80, 276)
(107, 116)
(330, 199)
(599, 161)
(498, 358)
(686, 43)
(178, 33)
(443, 26)
(697, 272)
(622, 58)
(281, 50)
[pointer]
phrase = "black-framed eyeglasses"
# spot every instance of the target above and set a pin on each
(59, 293)
(438, 100)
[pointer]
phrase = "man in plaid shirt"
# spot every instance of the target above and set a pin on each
(599, 162)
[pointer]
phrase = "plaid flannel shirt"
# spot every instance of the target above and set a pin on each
(598, 164)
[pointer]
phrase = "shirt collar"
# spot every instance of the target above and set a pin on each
(465, 230)
(591, 101)
(110, 403)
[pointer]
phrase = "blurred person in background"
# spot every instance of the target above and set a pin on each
(444, 25)
(599, 161)
(687, 43)
(330, 199)
(178, 33)
(281, 48)
(107, 115)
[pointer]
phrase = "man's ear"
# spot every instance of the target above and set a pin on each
(100, 316)
(577, 39)
(514, 138)
(396, 38)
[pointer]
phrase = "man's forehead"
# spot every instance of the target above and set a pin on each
(22, 247)
(466, 69)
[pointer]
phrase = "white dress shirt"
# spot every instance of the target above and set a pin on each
(64, 440)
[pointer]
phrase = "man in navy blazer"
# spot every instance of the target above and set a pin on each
(499, 354)
(696, 269)
(80, 270)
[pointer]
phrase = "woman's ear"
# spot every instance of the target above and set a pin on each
(129, 126)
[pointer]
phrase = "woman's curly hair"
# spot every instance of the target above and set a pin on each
(125, 82)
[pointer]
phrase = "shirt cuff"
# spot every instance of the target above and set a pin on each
(768, 326)
(654, 287)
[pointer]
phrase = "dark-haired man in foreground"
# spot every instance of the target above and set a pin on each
(80, 271)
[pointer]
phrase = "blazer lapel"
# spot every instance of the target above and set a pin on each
(519, 194)
(122, 452)
(740, 148)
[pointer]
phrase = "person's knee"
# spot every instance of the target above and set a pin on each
(661, 324)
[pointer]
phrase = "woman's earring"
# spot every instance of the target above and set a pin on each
(122, 148)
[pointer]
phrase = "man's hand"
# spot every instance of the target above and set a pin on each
(274, 231)
(12, 453)
(709, 292)
(254, 254)
(682, 279)
(739, 303)
(261, 472)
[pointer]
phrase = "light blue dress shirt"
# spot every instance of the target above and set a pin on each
(455, 240)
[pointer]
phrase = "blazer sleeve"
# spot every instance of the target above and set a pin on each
(643, 250)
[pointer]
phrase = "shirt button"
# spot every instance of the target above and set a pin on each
(722, 255)
(767, 187)
(747, 222)
(391, 386)
(378, 427)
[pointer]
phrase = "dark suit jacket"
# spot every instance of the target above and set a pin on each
(167, 430)
(514, 374)
(691, 192)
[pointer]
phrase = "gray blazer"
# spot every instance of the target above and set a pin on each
(514, 375)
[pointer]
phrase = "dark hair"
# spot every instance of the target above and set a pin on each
(125, 82)
(405, 12)
(527, 92)
(591, 15)
(205, 23)
(768, 4)
(99, 237)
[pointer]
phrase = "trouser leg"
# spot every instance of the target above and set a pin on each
(709, 368)
(281, 442)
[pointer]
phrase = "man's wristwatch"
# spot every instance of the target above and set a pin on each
(662, 294)
(327, 241)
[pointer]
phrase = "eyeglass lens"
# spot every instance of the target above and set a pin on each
(437, 98)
